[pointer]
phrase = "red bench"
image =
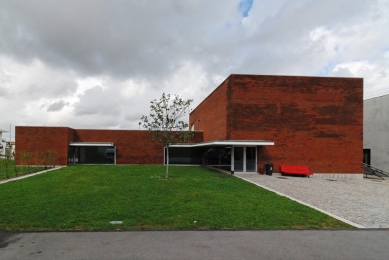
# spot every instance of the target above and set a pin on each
(295, 169)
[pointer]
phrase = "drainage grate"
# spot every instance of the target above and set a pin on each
(116, 222)
(282, 178)
(330, 180)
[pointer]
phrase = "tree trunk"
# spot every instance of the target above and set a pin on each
(7, 160)
(167, 162)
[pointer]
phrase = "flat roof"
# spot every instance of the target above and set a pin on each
(266, 75)
(227, 143)
(90, 144)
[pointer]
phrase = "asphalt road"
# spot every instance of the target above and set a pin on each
(275, 244)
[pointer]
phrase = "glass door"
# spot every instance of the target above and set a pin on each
(239, 159)
(245, 159)
(251, 159)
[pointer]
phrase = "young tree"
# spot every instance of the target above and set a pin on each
(2, 162)
(15, 167)
(164, 125)
(7, 161)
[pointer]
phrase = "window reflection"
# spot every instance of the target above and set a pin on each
(185, 155)
(91, 155)
(251, 165)
(238, 159)
(217, 157)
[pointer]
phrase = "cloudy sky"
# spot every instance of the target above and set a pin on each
(97, 64)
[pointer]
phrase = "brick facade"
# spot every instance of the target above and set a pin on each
(211, 115)
(39, 139)
(132, 146)
(314, 121)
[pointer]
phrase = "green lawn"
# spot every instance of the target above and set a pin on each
(89, 197)
(16, 171)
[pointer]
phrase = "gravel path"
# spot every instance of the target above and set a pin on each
(365, 202)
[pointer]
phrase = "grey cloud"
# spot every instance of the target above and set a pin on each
(132, 116)
(3, 91)
(120, 38)
(278, 47)
(98, 101)
(56, 106)
(342, 72)
(152, 41)
(56, 88)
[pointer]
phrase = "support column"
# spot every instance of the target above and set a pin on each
(232, 159)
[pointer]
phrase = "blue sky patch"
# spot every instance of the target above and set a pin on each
(245, 7)
(327, 69)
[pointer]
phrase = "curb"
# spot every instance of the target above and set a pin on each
(30, 175)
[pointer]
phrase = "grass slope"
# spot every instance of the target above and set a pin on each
(89, 197)
(16, 171)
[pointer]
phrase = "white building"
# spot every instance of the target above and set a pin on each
(3, 143)
(376, 132)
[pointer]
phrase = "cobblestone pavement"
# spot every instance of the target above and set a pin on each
(365, 202)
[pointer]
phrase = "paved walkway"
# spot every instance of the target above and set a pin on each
(364, 202)
(223, 245)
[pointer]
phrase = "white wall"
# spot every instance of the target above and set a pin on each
(376, 130)
(2, 144)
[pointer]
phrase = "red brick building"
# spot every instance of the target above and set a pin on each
(245, 122)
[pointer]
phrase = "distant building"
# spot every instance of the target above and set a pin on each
(4, 144)
(247, 121)
(376, 132)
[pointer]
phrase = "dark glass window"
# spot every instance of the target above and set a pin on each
(185, 155)
(218, 157)
(238, 159)
(251, 160)
(91, 155)
(366, 156)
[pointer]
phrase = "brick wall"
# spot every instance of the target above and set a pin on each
(315, 121)
(211, 115)
(133, 146)
(37, 139)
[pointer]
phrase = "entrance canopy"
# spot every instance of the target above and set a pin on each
(227, 155)
(89, 144)
(227, 143)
